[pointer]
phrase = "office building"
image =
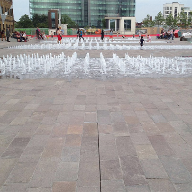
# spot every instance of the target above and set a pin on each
(90, 12)
(187, 10)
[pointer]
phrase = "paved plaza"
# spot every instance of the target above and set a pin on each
(96, 135)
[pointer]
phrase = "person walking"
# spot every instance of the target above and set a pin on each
(3, 34)
(78, 35)
(111, 34)
(81, 34)
(102, 34)
(141, 41)
(38, 33)
(7, 34)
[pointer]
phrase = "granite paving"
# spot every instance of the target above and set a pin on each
(96, 135)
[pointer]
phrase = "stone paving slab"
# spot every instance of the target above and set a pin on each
(93, 135)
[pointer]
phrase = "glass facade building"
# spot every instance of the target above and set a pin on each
(85, 12)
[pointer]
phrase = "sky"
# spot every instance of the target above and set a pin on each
(143, 8)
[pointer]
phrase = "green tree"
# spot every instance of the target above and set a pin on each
(147, 22)
(159, 19)
(65, 19)
(171, 22)
(183, 20)
(24, 22)
(190, 18)
(40, 21)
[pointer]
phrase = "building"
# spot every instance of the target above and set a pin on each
(90, 12)
(187, 10)
(6, 15)
(175, 9)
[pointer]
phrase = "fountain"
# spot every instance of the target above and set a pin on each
(74, 44)
(103, 64)
(23, 66)
(86, 63)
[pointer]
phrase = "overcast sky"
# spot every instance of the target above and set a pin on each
(143, 7)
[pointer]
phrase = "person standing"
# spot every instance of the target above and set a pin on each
(111, 34)
(37, 33)
(173, 34)
(59, 35)
(78, 31)
(139, 35)
(3, 34)
(52, 35)
(102, 34)
(7, 34)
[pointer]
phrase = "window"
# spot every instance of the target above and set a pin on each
(175, 13)
(127, 24)
(53, 20)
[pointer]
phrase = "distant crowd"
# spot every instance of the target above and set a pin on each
(166, 35)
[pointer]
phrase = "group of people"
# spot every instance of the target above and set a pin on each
(20, 36)
(110, 34)
(166, 35)
(5, 35)
(40, 35)
(141, 39)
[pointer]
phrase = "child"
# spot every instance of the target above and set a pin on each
(148, 38)
(59, 36)
(141, 41)
(52, 35)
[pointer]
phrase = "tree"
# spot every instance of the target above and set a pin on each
(159, 19)
(183, 20)
(190, 18)
(40, 21)
(24, 22)
(171, 22)
(65, 19)
(147, 22)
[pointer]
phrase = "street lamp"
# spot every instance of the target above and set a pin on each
(3, 17)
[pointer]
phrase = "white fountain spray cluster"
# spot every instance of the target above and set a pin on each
(99, 46)
(97, 39)
(120, 63)
(35, 66)
(103, 64)
(86, 63)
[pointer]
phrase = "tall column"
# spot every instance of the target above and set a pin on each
(115, 24)
(109, 24)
